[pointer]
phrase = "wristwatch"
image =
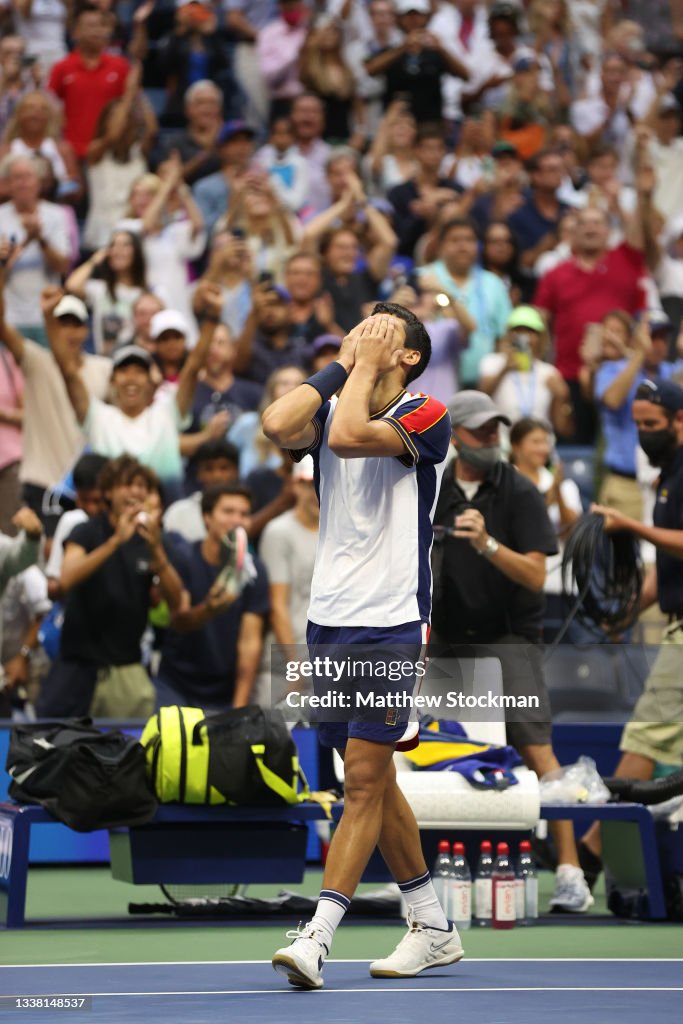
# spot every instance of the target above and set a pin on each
(490, 547)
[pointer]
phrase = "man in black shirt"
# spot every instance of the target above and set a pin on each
(416, 67)
(654, 735)
(492, 536)
(110, 564)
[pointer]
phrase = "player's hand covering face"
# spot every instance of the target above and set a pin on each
(379, 344)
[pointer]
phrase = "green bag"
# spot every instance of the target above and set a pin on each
(243, 756)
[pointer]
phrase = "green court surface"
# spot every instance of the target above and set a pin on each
(112, 936)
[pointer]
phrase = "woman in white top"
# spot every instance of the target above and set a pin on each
(34, 130)
(116, 159)
(517, 378)
(269, 229)
(113, 293)
(391, 159)
(531, 444)
(42, 26)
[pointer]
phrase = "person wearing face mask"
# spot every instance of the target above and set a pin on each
(654, 735)
(492, 536)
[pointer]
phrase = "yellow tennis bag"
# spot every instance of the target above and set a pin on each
(243, 756)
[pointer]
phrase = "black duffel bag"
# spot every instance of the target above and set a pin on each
(86, 778)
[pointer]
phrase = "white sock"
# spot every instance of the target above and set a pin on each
(332, 906)
(420, 895)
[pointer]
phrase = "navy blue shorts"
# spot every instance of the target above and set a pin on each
(377, 702)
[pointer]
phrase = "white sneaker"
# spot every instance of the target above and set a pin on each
(418, 950)
(572, 895)
(302, 961)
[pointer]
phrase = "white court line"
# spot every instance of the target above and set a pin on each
(453, 989)
(469, 960)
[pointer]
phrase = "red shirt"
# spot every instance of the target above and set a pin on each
(575, 297)
(85, 91)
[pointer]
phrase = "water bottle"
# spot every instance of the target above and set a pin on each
(441, 875)
(526, 883)
(483, 892)
(503, 889)
(461, 889)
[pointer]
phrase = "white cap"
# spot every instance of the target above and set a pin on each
(71, 305)
(421, 6)
(304, 470)
(168, 320)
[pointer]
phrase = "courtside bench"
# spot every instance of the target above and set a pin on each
(248, 845)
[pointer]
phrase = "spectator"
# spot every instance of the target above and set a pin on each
(482, 293)
(15, 81)
(278, 49)
(109, 566)
(520, 383)
(665, 150)
(135, 424)
(417, 200)
(616, 383)
(256, 451)
(417, 66)
(383, 34)
(89, 502)
(603, 119)
(488, 593)
(269, 229)
(311, 309)
(524, 112)
(169, 330)
(471, 163)
(608, 340)
(111, 295)
(535, 223)
(211, 654)
(531, 444)
(196, 143)
(16, 554)
(11, 420)
(324, 350)
(24, 606)
(88, 78)
(669, 272)
(40, 248)
(52, 439)
(391, 158)
(500, 255)
(116, 159)
(323, 70)
(449, 325)
(288, 546)
(42, 25)
(192, 52)
(142, 312)
(285, 167)
(267, 343)
(218, 390)
(230, 268)
(216, 464)
(34, 131)
(235, 148)
(594, 281)
(307, 117)
(498, 199)
(245, 19)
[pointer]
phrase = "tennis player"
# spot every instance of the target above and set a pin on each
(379, 454)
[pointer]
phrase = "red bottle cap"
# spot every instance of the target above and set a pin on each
(486, 846)
(444, 846)
(525, 846)
(502, 848)
(458, 847)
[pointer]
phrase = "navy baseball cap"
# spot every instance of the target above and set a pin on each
(657, 321)
(661, 392)
(232, 128)
(324, 341)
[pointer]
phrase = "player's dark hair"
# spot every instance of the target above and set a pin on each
(217, 448)
(87, 471)
(212, 496)
(416, 335)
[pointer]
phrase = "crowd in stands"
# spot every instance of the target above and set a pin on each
(198, 200)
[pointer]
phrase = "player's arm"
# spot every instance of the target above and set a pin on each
(353, 433)
(288, 422)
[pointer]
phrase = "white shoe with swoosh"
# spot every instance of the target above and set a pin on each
(419, 949)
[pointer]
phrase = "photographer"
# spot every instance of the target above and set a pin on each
(518, 379)
(489, 572)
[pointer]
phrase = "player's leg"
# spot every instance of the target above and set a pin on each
(365, 777)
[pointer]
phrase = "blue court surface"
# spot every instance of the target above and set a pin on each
(488, 991)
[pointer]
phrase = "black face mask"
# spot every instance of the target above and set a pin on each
(658, 445)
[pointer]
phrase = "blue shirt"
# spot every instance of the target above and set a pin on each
(211, 196)
(618, 428)
(486, 298)
(529, 226)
